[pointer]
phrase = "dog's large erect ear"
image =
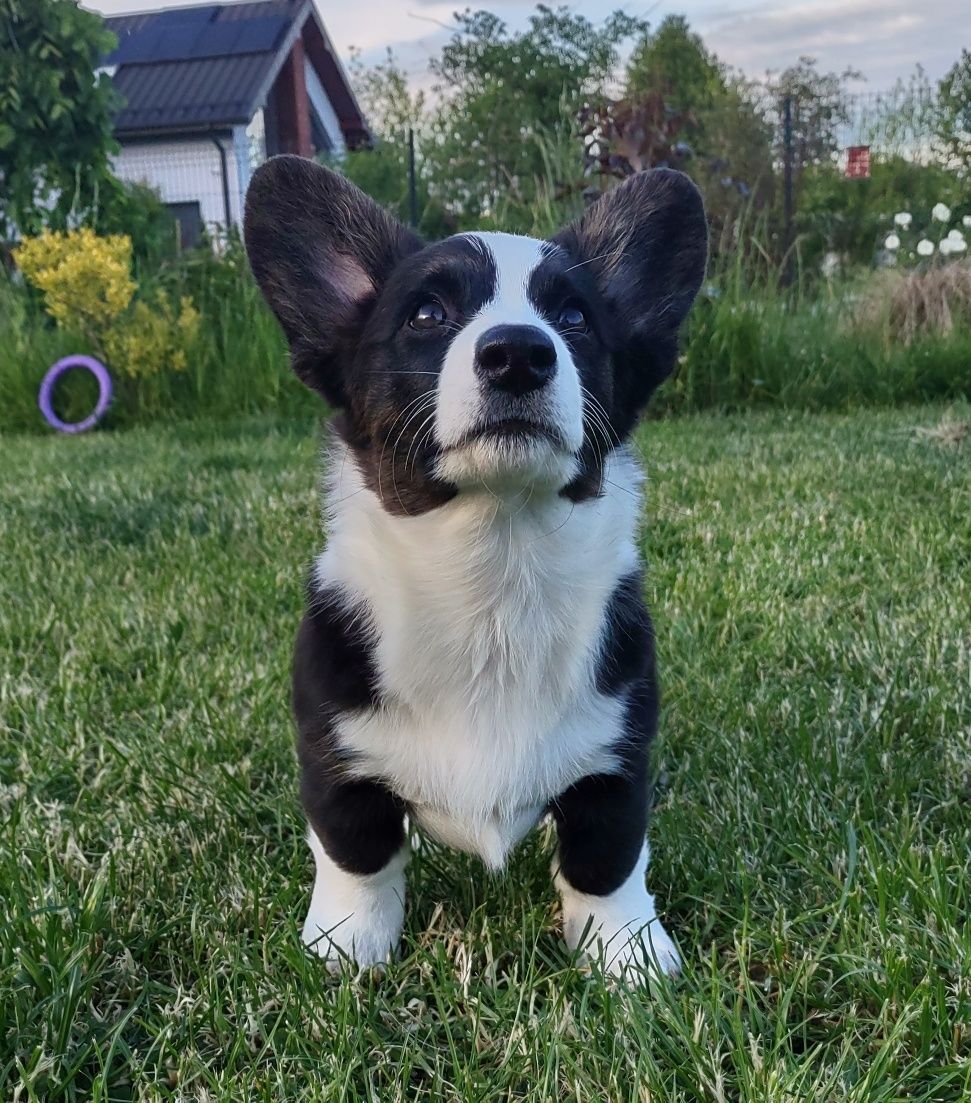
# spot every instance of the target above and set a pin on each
(320, 249)
(646, 245)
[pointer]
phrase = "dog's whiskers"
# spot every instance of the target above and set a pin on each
(422, 408)
(420, 399)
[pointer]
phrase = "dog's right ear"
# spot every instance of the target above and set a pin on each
(320, 250)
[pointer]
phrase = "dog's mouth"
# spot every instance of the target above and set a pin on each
(511, 431)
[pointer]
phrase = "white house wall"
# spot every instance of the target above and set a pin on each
(187, 171)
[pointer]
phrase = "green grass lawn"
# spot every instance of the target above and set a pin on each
(811, 583)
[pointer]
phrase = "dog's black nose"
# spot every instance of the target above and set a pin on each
(517, 359)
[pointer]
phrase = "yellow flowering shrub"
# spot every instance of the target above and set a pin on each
(86, 279)
(154, 336)
(87, 286)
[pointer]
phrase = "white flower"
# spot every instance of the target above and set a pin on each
(892, 243)
(925, 247)
(959, 245)
(903, 219)
(830, 264)
(955, 235)
(945, 247)
(966, 221)
(940, 212)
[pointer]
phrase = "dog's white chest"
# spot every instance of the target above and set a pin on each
(475, 779)
(487, 623)
(492, 838)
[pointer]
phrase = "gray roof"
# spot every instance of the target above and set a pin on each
(210, 66)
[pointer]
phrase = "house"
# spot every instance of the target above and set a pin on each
(209, 92)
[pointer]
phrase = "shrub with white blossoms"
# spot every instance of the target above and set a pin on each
(924, 242)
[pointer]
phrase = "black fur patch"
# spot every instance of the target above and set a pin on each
(601, 821)
(627, 645)
(319, 249)
(644, 245)
(394, 375)
(358, 821)
(335, 648)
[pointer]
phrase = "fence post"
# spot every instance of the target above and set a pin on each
(412, 186)
(787, 189)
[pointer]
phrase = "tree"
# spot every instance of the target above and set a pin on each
(954, 112)
(724, 138)
(393, 112)
(498, 140)
(675, 64)
(55, 112)
(820, 109)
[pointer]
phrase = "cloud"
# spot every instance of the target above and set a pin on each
(884, 39)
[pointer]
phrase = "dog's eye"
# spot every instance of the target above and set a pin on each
(428, 316)
(573, 318)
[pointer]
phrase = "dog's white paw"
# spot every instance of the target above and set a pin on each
(354, 919)
(359, 938)
(644, 948)
(620, 945)
(619, 931)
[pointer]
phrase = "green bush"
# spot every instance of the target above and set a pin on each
(747, 343)
(852, 217)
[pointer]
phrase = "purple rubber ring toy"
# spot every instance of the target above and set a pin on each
(46, 395)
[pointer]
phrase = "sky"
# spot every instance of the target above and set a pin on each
(884, 39)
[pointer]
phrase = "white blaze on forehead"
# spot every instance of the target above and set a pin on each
(515, 259)
(462, 399)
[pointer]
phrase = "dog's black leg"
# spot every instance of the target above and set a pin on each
(357, 837)
(603, 856)
(357, 830)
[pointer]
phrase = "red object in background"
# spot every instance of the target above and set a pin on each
(858, 163)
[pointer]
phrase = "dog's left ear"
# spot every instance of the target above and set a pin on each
(646, 245)
(320, 250)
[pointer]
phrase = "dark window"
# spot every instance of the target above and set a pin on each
(188, 219)
(271, 124)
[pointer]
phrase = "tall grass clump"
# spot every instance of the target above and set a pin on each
(243, 364)
(883, 338)
(909, 306)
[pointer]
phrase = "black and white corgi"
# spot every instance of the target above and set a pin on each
(476, 652)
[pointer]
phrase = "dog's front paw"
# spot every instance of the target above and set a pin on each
(618, 943)
(642, 947)
(619, 930)
(354, 919)
(364, 937)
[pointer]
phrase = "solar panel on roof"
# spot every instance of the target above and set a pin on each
(260, 34)
(204, 13)
(174, 42)
(215, 40)
(188, 39)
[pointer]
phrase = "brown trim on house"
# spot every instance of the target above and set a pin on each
(293, 108)
(324, 59)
